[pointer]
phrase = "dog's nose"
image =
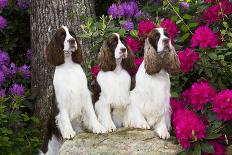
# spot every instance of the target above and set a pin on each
(123, 50)
(71, 41)
(166, 41)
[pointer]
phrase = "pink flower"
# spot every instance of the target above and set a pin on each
(188, 126)
(209, 1)
(134, 44)
(176, 104)
(187, 59)
(219, 149)
(145, 27)
(200, 94)
(185, 96)
(95, 70)
(171, 28)
(222, 105)
(204, 37)
(214, 13)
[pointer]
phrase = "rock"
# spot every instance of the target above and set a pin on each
(123, 141)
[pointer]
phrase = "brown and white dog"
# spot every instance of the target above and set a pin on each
(151, 95)
(114, 82)
(72, 99)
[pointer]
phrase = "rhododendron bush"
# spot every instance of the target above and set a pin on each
(17, 132)
(201, 32)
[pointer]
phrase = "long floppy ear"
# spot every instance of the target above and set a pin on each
(152, 60)
(77, 55)
(171, 61)
(54, 53)
(129, 63)
(106, 58)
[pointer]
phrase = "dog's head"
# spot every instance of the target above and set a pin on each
(63, 43)
(114, 52)
(159, 53)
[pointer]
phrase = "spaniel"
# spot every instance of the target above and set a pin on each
(72, 99)
(114, 82)
(151, 95)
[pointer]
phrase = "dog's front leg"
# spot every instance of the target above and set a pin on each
(64, 125)
(103, 111)
(90, 118)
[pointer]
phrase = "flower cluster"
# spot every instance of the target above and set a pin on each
(222, 105)
(145, 26)
(200, 94)
(129, 25)
(3, 23)
(23, 4)
(17, 89)
(216, 12)
(134, 44)
(171, 28)
(3, 4)
(188, 127)
(187, 59)
(94, 70)
(126, 9)
(204, 37)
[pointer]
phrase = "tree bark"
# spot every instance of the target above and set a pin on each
(46, 17)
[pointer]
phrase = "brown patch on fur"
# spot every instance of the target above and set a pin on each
(153, 38)
(54, 50)
(106, 54)
(129, 62)
(77, 55)
(171, 61)
(152, 60)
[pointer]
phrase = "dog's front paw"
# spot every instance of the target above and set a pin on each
(98, 128)
(137, 124)
(69, 134)
(163, 133)
(109, 126)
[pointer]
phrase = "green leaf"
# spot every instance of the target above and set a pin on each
(229, 45)
(191, 25)
(182, 153)
(187, 16)
(185, 36)
(212, 136)
(134, 33)
(184, 28)
(206, 147)
(223, 32)
(197, 149)
(213, 55)
(229, 149)
(225, 24)
(179, 21)
(122, 32)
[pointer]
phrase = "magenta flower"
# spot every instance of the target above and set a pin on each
(204, 37)
(3, 4)
(2, 93)
(134, 44)
(214, 13)
(219, 149)
(25, 71)
(200, 94)
(188, 127)
(185, 96)
(187, 59)
(222, 105)
(4, 58)
(129, 25)
(17, 89)
(176, 104)
(145, 27)
(170, 27)
(95, 70)
(3, 23)
(23, 4)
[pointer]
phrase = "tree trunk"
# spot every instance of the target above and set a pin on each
(46, 17)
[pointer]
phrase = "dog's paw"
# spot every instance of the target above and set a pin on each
(137, 124)
(110, 127)
(163, 133)
(69, 134)
(99, 129)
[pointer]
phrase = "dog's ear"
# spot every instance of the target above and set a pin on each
(77, 55)
(54, 53)
(129, 62)
(171, 61)
(106, 58)
(152, 60)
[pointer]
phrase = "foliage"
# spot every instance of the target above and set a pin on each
(18, 134)
(201, 33)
